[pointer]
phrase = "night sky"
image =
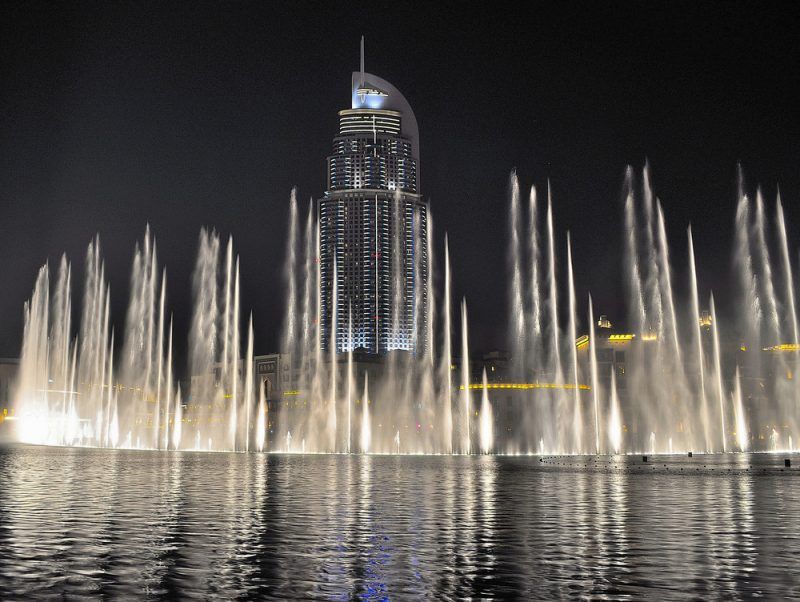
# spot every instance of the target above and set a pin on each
(113, 116)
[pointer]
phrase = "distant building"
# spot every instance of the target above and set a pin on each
(373, 226)
(497, 364)
(275, 375)
(8, 374)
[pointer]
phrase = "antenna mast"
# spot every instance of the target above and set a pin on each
(362, 61)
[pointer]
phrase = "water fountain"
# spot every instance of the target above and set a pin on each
(686, 386)
(366, 425)
(486, 419)
(72, 392)
(614, 418)
(466, 398)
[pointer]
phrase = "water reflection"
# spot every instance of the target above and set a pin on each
(78, 523)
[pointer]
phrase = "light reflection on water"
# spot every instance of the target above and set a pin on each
(122, 524)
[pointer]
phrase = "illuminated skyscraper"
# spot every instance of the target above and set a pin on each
(373, 225)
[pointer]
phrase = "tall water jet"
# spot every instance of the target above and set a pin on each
(168, 390)
(787, 270)
(743, 258)
(718, 374)
(141, 355)
(204, 331)
(177, 425)
(786, 411)
(536, 340)
(111, 432)
(486, 418)
(674, 391)
(249, 382)
(517, 309)
(769, 298)
(350, 377)
(430, 343)
(309, 285)
(465, 392)
(431, 413)
(218, 393)
(157, 423)
(290, 278)
(231, 366)
(554, 366)
(742, 436)
(331, 420)
(314, 426)
(789, 300)
(227, 328)
(662, 373)
(698, 342)
(764, 321)
(261, 421)
(73, 436)
(553, 288)
(637, 309)
(366, 426)
(535, 294)
(652, 288)
(61, 333)
(447, 360)
(92, 339)
(642, 378)
(595, 378)
(615, 416)
(577, 418)
(671, 322)
(289, 340)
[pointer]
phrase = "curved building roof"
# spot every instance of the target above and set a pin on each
(372, 92)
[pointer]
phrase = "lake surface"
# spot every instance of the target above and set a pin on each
(81, 523)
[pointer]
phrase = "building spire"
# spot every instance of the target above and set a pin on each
(362, 61)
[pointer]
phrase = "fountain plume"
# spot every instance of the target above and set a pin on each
(699, 343)
(486, 418)
(517, 308)
(366, 426)
(465, 392)
(595, 378)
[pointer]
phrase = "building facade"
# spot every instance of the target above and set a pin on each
(373, 227)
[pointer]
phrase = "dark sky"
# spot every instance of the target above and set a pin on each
(114, 115)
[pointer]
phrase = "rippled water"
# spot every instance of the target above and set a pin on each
(121, 524)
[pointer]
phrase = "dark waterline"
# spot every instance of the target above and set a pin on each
(123, 524)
